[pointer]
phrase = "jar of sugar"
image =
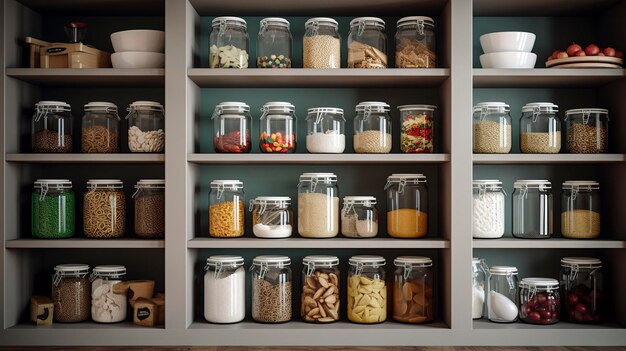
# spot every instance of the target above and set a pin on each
(224, 289)
(487, 209)
(325, 130)
(272, 216)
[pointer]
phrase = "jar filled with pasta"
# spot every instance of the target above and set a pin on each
(52, 127)
(372, 128)
(359, 217)
(52, 210)
(367, 290)
(407, 206)
(150, 208)
(107, 305)
(318, 205)
(278, 128)
(231, 127)
(417, 129)
(104, 209)
(71, 293)
(271, 289)
(413, 297)
(226, 209)
(228, 43)
(320, 289)
(146, 127)
(272, 216)
(100, 131)
(367, 43)
(415, 42)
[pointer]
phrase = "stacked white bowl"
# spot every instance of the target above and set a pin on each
(139, 48)
(508, 50)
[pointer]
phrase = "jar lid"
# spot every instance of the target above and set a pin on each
(585, 262)
(503, 270)
(492, 106)
(414, 20)
(367, 260)
(275, 200)
(274, 21)
(476, 260)
(146, 104)
(217, 21)
(486, 183)
(109, 269)
(417, 107)
(272, 260)
(368, 21)
(51, 104)
(71, 268)
(539, 283)
(150, 183)
(539, 183)
(228, 183)
(278, 106)
(407, 177)
(101, 106)
(222, 260)
(413, 261)
(580, 111)
(334, 110)
(372, 106)
(56, 183)
(321, 21)
(541, 107)
(105, 183)
(320, 260)
(313, 177)
(581, 184)
(359, 200)
(232, 105)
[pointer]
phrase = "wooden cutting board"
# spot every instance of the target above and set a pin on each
(586, 62)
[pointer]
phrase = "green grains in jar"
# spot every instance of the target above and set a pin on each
(52, 214)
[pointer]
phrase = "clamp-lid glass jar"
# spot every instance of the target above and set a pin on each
(501, 306)
(272, 216)
(100, 131)
(415, 42)
(150, 208)
(539, 299)
(52, 127)
(273, 46)
(407, 206)
(413, 290)
(532, 209)
(107, 306)
(228, 43)
(367, 290)
(271, 289)
(325, 130)
(417, 129)
(146, 127)
(52, 209)
(580, 209)
(582, 292)
(224, 289)
(372, 128)
(540, 129)
(487, 209)
(359, 217)
(480, 274)
(587, 130)
(320, 289)
(278, 127)
(226, 209)
(367, 43)
(318, 205)
(231, 127)
(71, 293)
(492, 128)
(321, 46)
(104, 209)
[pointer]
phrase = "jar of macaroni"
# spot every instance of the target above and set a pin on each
(372, 128)
(226, 209)
(367, 290)
(100, 131)
(407, 206)
(321, 45)
(52, 127)
(359, 217)
(271, 289)
(320, 289)
(367, 43)
(104, 209)
(318, 205)
(228, 43)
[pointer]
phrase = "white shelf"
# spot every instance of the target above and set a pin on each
(316, 158)
(86, 158)
(84, 243)
(545, 77)
(90, 77)
(553, 243)
(332, 243)
(547, 158)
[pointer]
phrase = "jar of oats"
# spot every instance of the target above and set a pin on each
(587, 130)
(492, 128)
(150, 208)
(100, 132)
(226, 209)
(372, 128)
(71, 293)
(540, 129)
(321, 46)
(104, 209)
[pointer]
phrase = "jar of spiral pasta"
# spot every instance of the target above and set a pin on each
(271, 289)
(150, 208)
(226, 209)
(146, 127)
(104, 209)
(100, 132)
(71, 293)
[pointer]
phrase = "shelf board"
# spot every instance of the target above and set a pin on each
(84, 243)
(317, 158)
(306, 77)
(553, 243)
(332, 243)
(545, 77)
(539, 8)
(90, 77)
(547, 158)
(98, 8)
(133, 158)
(486, 324)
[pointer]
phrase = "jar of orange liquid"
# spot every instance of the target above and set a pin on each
(407, 206)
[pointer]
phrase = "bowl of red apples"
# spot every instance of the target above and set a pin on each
(592, 56)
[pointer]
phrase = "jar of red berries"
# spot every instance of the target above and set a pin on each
(539, 300)
(581, 288)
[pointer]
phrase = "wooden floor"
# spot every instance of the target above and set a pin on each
(231, 348)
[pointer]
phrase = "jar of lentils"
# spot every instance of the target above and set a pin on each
(278, 128)
(492, 128)
(413, 296)
(321, 46)
(146, 127)
(587, 130)
(226, 209)
(367, 290)
(150, 208)
(273, 46)
(367, 43)
(539, 299)
(231, 127)
(71, 293)
(372, 128)
(320, 289)
(52, 127)
(540, 129)
(100, 132)
(52, 205)
(228, 43)
(415, 43)
(580, 209)
(104, 209)
(271, 289)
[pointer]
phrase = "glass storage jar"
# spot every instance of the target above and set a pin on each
(501, 306)
(540, 129)
(367, 43)
(271, 289)
(587, 130)
(320, 289)
(325, 130)
(52, 127)
(100, 131)
(318, 205)
(580, 209)
(273, 46)
(372, 128)
(150, 208)
(415, 42)
(146, 127)
(107, 306)
(359, 217)
(278, 127)
(539, 300)
(487, 209)
(228, 43)
(104, 209)
(231, 127)
(272, 216)
(417, 129)
(224, 289)
(480, 276)
(367, 290)
(581, 289)
(532, 209)
(492, 128)
(321, 46)
(413, 291)
(226, 209)
(52, 209)
(71, 293)
(407, 206)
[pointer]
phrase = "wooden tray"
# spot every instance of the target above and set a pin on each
(586, 62)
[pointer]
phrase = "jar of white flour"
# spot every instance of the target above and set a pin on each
(488, 209)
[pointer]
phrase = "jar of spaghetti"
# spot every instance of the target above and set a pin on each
(100, 132)
(226, 209)
(104, 209)
(407, 206)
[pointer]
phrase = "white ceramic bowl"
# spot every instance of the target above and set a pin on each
(139, 40)
(508, 60)
(507, 41)
(138, 59)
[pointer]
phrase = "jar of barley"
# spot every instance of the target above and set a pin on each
(492, 128)
(150, 208)
(104, 209)
(321, 47)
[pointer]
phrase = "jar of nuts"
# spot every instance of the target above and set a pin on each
(226, 209)
(278, 128)
(372, 128)
(231, 127)
(71, 293)
(100, 132)
(539, 300)
(150, 208)
(271, 289)
(321, 46)
(320, 289)
(587, 130)
(52, 127)
(367, 43)
(228, 43)
(367, 290)
(492, 128)
(413, 297)
(104, 209)
(540, 129)
(146, 127)
(415, 43)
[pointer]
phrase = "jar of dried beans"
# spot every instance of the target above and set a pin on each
(52, 205)
(108, 305)
(318, 205)
(52, 127)
(271, 289)
(532, 209)
(367, 43)
(150, 208)
(273, 46)
(587, 130)
(224, 289)
(231, 127)
(226, 209)
(372, 128)
(325, 130)
(228, 43)
(359, 217)
(272, 216)
(100, 131)
(415, 43)
(413, 295)
(320, 289)
(407, 206)
(492, 128)
(71, 293)
(580, 210)
(104, 209)
(367, 290)
(321, 46)
(278, 128)
(582, 289)
(539, 300)
(540, 129)
(146, 127)
(417, 131)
